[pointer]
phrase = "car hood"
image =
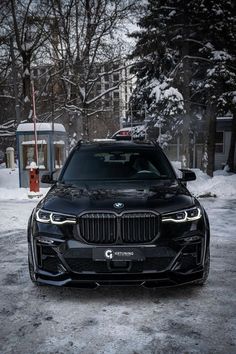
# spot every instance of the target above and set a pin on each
(162, 197)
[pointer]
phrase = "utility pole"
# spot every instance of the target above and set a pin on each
(145, 120)
(131, 116)
(14, 75)
(52, 101)
(35, 126)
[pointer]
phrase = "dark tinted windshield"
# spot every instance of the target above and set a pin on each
(117, 164)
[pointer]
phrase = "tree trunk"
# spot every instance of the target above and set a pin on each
(26, 85)
(186, 95)
(230, 160)
(15, 87)
(211, 139)
(85, 126)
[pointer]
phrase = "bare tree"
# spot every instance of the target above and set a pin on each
(83, 41)
(8, 80)
(79, 43)
(29, 22)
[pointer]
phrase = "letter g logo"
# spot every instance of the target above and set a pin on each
(109, 254)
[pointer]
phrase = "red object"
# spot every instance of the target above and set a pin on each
(124, 132)
(34, 120)
(34, 180)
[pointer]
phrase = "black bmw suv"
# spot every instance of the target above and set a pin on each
(118, 214)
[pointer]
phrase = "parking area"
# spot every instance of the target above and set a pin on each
(117, 320)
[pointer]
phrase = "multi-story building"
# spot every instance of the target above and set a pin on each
(116, 82)
(112, 87)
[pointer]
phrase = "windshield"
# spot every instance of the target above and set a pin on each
(111, 164)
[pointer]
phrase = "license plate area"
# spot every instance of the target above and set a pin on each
(121, 254)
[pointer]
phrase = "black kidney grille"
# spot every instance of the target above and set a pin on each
(139, 227)
(98, 227)
(107, 228)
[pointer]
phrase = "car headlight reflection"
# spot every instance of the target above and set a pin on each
(183, 215)
(48, 217)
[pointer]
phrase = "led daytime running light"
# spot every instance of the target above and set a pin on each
(51, 221)
(186, 217)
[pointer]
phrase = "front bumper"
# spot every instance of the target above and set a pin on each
(148, 280)
(71, 263)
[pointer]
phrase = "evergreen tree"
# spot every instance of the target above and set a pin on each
(217, 72)
(163, 69)
(189, 46)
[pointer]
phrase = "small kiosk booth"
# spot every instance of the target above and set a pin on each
(51, 144)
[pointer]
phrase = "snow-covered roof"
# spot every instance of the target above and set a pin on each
(224, 118)
(29, 127)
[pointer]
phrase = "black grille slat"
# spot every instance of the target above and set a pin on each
(98, 227)
(134, 227)
(128, 227)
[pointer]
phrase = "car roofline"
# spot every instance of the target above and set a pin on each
(121, 143)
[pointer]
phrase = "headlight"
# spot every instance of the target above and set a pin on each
(183, 215)
(49, 217)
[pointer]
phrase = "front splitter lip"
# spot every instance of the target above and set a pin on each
(149, 280)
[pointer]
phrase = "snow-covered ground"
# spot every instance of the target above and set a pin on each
(9, 186)
(222, 185)
(44, 320)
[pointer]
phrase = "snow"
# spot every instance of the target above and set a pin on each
(224, 118)
(26, 72)
(117, 320)
(32, 142)
(162, 92)
(9, 186)
(222, 185)
(234, 97)
(103, 140)
(26, 99)
(172, 13)
(29, 127)
(59, 142)
(172, 320)
(173, 93)
(221, 55)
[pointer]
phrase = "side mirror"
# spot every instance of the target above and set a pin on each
(187, 176)
(48, 178)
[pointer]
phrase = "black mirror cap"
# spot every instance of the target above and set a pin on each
(188, 175)
(47, 178)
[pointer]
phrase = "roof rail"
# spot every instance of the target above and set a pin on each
(103, 140)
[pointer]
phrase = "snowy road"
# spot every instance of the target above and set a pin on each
(117, 320)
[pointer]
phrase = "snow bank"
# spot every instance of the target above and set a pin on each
(9, 186)
(222, 185)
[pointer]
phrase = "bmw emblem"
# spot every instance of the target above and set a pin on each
(118, 205)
